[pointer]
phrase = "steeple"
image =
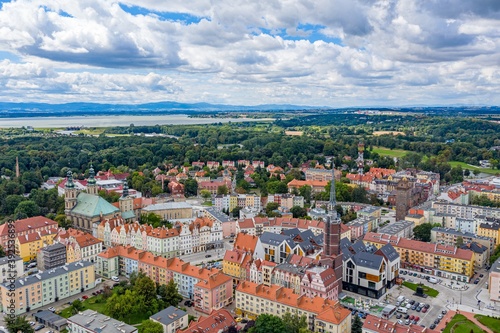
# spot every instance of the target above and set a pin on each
(91, 182)
(125, 189)
(333, 199)
(69, 180)
(91, 179)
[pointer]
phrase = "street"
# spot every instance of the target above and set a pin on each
(201, 257)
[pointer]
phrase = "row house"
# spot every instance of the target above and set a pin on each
(209, 288)
(322, 315)
(437, 259)
(200, 235)
(449, 236)
(286, 201)
(44, 288)
(213, 185)
(237, 260)
(23, 227)
(163, 242)
(317, 186)
(80, 245)
(258, 225)
(226, 164)
(213, 165)
(321, 174)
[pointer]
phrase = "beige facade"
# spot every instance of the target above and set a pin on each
(170, 210)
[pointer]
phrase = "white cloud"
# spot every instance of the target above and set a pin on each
(323, 52)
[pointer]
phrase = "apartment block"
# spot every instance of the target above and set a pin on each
(90, 321)
(490, 230)
(47, 287)
(441, 260)
(399, 228)
(32, 225)
(322, 315)
(465, 211)
(450, 237)
(10, 266)
(171, 319)
(494, 281)
(51, 256)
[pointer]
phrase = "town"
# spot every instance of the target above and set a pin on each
(226, 260)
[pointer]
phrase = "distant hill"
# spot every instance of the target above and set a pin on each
(43, 109)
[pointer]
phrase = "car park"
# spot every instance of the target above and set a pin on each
(399, 315)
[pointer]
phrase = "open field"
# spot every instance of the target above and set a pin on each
(473, 167)
(379, 133)
(294, 133)
(390, 152)
(460, 324)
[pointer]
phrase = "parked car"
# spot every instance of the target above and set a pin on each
(412, 301)
(115, 278)
(399, 315)
(440, 317)
(426, 306)
(476, 281)
(85, 297)
(208, 255)
(39, 327)
(400, 322)
(414, 307)
(188, 303)
(32, 323)
(424, 310)
(244, 321)
(407, 322)
(418, 309)
(433, 326)
(417, 319)
(481, 275)
(412, 317)
(444, 312)
(406, 316)
(53, 309)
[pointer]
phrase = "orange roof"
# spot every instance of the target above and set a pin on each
(28, 238)
(282, 295)
(214, 280)
(201, 222)
(163, 232)
(295, 259)
(87, 240)
(123, 251)
(410, 244)
(31, 223)
(312, 183)
(245, 242)
(217, 321)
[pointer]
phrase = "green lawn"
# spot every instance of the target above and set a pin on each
(427, 290)
(390, 152)
(461, 324)
(98, 304)
(472, 167)
(492, 323)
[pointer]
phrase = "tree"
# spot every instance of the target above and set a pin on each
(190, 187)
(423, 232)
(357, 325)
(150, 218)
(169, 293)
(270, 208)
(267, 323)
(236, 211)
(294, 322)
(121, 306)
(222, 190)
(18, 324)
(2, 252)
(306, 192)
(460, 241)
(149, 326)
(205, 194)
(298, 211)
(146, 289)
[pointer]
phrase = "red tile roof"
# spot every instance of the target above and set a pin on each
(31, 223)
(217, 321)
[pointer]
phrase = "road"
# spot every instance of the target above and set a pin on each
(215, 254)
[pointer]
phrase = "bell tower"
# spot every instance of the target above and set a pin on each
(70, 193)
(92, 187)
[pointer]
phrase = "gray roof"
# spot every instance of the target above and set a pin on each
(218, 214)
(369, 209)
(167, 205)
(168, 315)
(359, 246)
(99, 323)
(40, 276)
(291, 232)
(496, 266)
(389, 252)
(459, 233)
(50, 318)
(396, 227)
(368, 260)
(298, 270)
(474, 247)
(53, 247)
(275, 239)
(5, 260)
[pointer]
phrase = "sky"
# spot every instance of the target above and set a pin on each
(335, 53)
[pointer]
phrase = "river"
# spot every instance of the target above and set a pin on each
(110, 121)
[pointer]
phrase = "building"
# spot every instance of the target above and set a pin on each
(32, 225)
(90, 321)
(465, 211)
(403, 199)
(85, 246)
(213, 293)
(50, 319)
(217, 322)
(51, 256)
(320, 281)
(258, 225)
(490, 230)
(494, 281)
(231, 201)
(362, 225)
(228, 224)
(170, 210)
(10, 267)
(481, 258)
(321, 174)
(323, 315)
(27, 245)
(47, 287)
(171, 318)
(449, 236)
(84, 209)
(317, 186)
(213, 185)
(399, 229)
(440, 260)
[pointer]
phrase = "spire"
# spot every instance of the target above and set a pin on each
(91, 180)
(69, 180)
(333, 198)
(125, 189)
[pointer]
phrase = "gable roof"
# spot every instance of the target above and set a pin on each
(28, 224)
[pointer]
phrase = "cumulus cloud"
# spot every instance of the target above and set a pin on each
(322, 52)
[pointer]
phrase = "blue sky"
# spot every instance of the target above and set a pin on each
(324, 52)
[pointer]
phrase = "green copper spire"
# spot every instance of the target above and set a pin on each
(125, 189)
(91, 179)
(69, 181)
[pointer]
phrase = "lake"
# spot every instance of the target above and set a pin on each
(110, 121)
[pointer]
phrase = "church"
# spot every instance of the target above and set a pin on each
(84, 208)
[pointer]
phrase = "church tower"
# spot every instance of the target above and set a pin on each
(332, 232)
(126, 201)
(92, 187)
(360, 160)
(70, 193)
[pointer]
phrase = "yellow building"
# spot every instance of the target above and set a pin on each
(489, 230)
(322, 315)
(235, 263)
(46, 287)
(415, 218)
(441, 260)
(28, 245)
(70, 253)
(170, 210)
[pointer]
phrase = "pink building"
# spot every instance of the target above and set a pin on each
(494, 281)
(320, 281)
(213, 293)
(228, 228)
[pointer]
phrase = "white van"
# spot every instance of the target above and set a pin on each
(401, 299)
(433, 280)
(403, 310)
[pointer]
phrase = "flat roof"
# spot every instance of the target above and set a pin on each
(167, 205)
(99, 323)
